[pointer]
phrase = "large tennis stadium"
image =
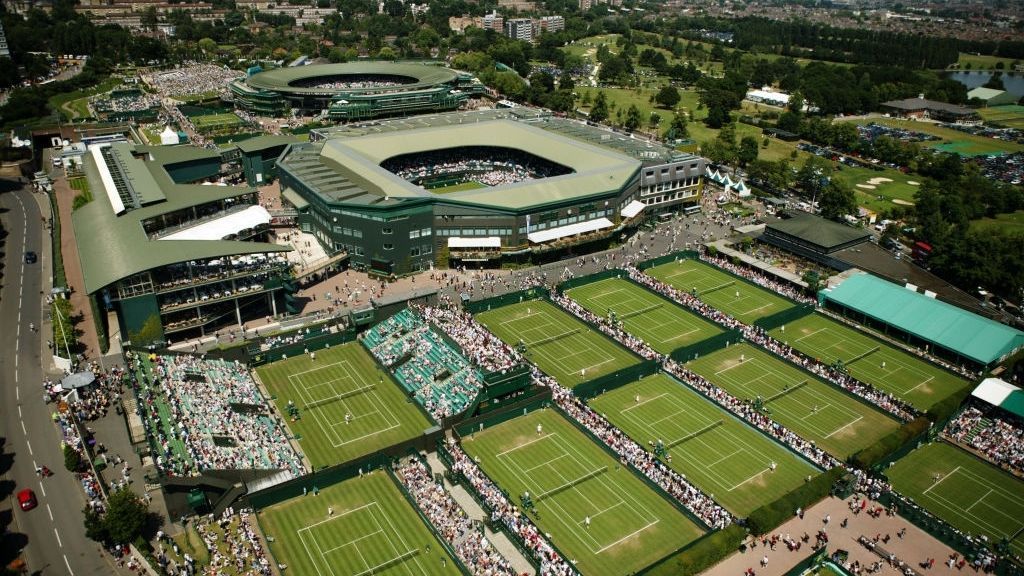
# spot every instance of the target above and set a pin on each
(355, 91)
(492, 185)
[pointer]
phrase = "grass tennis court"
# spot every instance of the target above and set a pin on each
(869, 360)
(343, 380)
(661, 323)
(572, 480)
(1010, 115)
(373, 531)
(713, 449)
(972, 495)
(561, 345)
(720, 289)
(215, 121)
(813, 409)
(468, 185)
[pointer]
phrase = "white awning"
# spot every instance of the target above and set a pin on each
(993, 390)
(570, 230)
(106, 179)
(251, 217)
(633, 208)
(488, 242)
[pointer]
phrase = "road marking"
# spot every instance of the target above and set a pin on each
(68, 564)
(19, 411)
(41, 487)
(17, 391)
(50, 512)
(57, 534)
(30, 453)
(26, 434)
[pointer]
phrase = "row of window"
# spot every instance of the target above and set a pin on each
(668, 198)
(422, 232)
(474, 231)
(667, 186)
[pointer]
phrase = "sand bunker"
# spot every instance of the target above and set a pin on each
(913, 182)
(879, 180)
(866, 186)
(902, 202)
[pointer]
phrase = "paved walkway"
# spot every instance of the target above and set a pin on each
(473, 510)
(86, 327)
(915, 547)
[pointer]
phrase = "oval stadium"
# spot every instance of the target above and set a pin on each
(355, 90)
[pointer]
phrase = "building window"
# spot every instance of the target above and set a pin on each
(425, 232)
(414, 251)
(389, 246)
(414, 233)
(427, 248)
(387, 230)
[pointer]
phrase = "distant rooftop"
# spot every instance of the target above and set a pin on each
(822, 233)
(911, 104)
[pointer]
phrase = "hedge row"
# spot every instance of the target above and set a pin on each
(943, 409)
(771, 515)
(879, 451)
(701, 555)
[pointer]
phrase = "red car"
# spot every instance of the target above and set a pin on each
(27, 499)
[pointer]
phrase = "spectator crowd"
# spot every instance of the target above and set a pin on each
(451, 522)
(999, 439)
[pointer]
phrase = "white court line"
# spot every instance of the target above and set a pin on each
(627, 536)
(639, 404)
(351, 542)
(525, 444)
(939, 481)
(838, 430)
(749, 479)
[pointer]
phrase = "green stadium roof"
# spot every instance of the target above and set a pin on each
(280, 79)
(1002, 394)
(595, 170)
(112, 247)
(819, 231)
(969, 335)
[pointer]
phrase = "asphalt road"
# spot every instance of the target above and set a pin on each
(56, 542)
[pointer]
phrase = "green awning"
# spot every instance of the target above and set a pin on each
(293, 197)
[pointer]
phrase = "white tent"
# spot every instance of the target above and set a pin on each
(169, 137)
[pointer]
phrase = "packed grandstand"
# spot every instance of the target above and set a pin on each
(486, 165)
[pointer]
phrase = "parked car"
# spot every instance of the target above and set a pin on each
(27, 499)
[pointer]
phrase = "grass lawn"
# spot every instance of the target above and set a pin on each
(571, 479)
(661, 323)
(982, 62)
(373, 530)
(471, 185)
(972, 495)
(1011, 115)
(810, 407)
(712, 448)
(212, 121)
(719, 289)
(342, 380)
(881, 195)
(65, 102)
(1012, 222)
(559, 344)
(872, 361)
(971, 143)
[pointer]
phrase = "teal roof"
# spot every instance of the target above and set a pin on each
(969, 335)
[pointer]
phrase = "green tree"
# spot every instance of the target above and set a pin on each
(677, 127)
(633, 120)
(837, 200)
(387, 53)
(599, 111)
(336, 55)
(814, 176)
(125, 518)
(149, 19)
(655, 120)
(748, 150)
(668, 97)
(813, 281)
(72, 458)
(208, 46)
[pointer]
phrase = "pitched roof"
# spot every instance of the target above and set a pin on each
(969, 335)
(984, 93)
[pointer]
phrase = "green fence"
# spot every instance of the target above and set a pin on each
(504, 414)
(815, 557)
(315, 480)
(616, 379)
(260, 357)
(699, 555)
(505, 299)
(783, 317)
(680, 255)
(581, 280)
(706, 346)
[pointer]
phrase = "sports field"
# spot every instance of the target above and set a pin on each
(724, 291)
(604, 518)
(813, 409)
(972, 495)
(869, 360)
(373, 531)
(1010, 116)
(216, 121)
(562, 346)
(343, 380)
(661, 323)
(713, 449)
